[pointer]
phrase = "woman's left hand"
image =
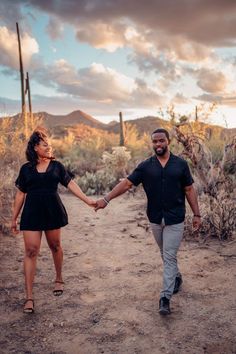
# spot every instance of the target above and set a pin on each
(91, 202)
(14, 229)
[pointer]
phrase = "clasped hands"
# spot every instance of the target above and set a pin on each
(97, 204)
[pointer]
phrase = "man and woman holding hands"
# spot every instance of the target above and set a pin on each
(166, 180)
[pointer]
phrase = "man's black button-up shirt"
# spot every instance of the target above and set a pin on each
(164, 187)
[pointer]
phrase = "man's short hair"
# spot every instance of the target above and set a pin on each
(161, 130)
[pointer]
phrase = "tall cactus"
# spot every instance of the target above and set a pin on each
(23, 108)
(196, 114)
(27, 90)
(122, 130)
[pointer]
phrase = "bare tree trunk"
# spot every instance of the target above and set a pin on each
(29, 98)
(23, 108)
(196, 114)
(28, 90)
(122, 135)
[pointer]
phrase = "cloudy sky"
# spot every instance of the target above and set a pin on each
(134, 56)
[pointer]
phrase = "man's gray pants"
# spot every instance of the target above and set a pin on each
(168, 238)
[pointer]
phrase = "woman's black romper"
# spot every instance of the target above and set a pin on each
(43, 208)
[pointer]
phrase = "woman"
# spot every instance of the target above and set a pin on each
(43, 210)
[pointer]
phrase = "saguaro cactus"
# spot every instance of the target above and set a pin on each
(23, 108)
(122, 130)
(27, 90)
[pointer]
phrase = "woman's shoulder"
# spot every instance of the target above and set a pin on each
(25, 169)
(27, 165)
(57, 163)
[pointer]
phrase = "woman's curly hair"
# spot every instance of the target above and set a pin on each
(35, 138)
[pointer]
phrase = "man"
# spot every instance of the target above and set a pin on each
(166, 179)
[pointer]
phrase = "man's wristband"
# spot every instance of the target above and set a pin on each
(198, 216)
(106, 200)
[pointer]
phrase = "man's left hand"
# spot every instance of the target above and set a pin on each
(196, 222)
(100, 204)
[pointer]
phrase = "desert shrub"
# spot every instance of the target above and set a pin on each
(216, 183)
(12, 155)
(114, 167)
(219, 216)
(117, 161)
(82, 152)
(63, 146)
(7, 175)
(140, 149)
(99, 182)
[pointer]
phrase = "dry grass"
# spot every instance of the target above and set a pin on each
(12, 155)
(215, 181)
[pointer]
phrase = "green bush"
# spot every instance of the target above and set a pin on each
(97, 183)
(113, 169)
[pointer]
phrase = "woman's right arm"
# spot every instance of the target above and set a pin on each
(19, 201)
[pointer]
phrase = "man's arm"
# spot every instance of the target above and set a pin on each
(191, 196)
(119, 189)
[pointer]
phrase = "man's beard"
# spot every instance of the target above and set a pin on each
(161, 152)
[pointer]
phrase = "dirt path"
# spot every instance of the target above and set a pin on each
(112, 271)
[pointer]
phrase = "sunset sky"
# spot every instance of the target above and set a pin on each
(134, 56)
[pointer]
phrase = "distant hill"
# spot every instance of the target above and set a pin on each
(73, 118)
(58, 123)
(149, 124)
(143, 125)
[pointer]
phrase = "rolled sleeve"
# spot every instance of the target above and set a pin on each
(187, 177)
(20, 182)
(65, 177)
(136, 177)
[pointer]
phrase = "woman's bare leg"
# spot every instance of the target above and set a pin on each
(54, 242)
(32, 240)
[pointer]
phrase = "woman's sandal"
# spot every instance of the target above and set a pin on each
(58, 292)
(29, 309)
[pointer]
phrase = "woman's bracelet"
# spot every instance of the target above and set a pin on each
(105, 200)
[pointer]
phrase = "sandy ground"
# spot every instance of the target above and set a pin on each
(112, 271)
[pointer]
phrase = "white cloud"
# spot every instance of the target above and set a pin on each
(100, 84)
(224, 99)
(9, 48)
(211, 81)
(102, 35)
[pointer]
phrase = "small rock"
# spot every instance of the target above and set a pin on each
(118, 269)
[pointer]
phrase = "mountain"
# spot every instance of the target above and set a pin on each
(58, 123)
(71, 119)
(143, 125)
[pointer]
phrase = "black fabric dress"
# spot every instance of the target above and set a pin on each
(43, 208)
